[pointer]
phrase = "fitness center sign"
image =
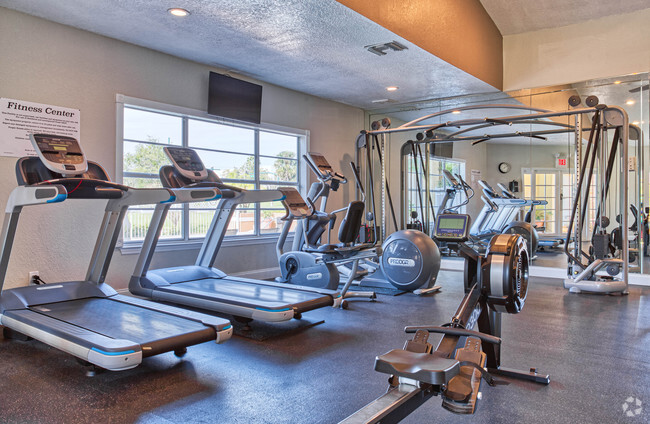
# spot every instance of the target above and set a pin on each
(19, 118)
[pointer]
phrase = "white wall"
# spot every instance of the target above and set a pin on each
(54, 64)
(607, 47)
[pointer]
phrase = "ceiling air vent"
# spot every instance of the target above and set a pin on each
(381, 49)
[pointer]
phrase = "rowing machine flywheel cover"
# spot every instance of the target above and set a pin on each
(505, 273)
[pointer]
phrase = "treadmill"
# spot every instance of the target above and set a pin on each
(203, 286)
(88, 318)
(549, 241)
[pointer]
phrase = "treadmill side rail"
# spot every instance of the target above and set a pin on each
(141, 196)
(225, 334)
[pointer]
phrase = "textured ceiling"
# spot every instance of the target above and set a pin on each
(517, 16)
(312, 46)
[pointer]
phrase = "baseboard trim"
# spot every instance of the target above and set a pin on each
(259, 274)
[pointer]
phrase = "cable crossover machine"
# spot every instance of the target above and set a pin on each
(604, 133)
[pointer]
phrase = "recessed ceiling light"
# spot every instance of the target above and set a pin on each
(177, 11)
(456, 112)
(392, 88)
(617, 82)
(630, 102)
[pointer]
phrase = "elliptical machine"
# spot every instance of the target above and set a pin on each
(407, 261)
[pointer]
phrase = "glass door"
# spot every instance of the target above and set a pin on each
(557, 188)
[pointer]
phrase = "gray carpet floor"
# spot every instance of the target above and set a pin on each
(596, 349)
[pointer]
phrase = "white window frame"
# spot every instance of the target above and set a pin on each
(183, 112)
(461, 195)
(559, 194)
(412, 189)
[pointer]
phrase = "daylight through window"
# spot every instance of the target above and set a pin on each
(247, 157)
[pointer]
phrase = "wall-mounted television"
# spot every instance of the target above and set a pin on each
(232, 98)
(445, 150)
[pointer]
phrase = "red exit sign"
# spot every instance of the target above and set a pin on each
(561, 163)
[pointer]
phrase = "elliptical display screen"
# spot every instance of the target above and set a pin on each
(187, 162)
(452, 227)
(60, 153)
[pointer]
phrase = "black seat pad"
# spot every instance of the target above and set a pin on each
(422, 367)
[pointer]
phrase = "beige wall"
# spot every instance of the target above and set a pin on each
(459, 32)
(475, 157)
(518, 156)
(607, 47)
(54, 64)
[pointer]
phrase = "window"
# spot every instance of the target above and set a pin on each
(438, 185)
(244, 156)
(557, 187)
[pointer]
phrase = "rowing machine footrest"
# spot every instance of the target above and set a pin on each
(422, 367)
(462, 391)
(420, 343)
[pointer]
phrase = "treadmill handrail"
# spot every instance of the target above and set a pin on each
(195, 194)
(259, 196)
(35, 195)
(79, 182)
(141, 196)
(183, 195)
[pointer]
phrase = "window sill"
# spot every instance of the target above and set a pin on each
(172, 246)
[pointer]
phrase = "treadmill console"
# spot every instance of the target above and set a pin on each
(452, 227)
(294, 203)
(60, 154)
(187, 162)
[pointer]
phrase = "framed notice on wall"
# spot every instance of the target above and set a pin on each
(19, 118)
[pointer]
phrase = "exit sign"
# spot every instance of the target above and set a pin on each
(561, 163)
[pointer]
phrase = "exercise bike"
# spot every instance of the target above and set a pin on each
(495, 282)
(408, 260)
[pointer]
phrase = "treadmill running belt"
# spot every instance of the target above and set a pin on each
(244, 293)
(119, 320)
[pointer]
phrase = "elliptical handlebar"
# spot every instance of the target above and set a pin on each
(357, 180)
(457, 182)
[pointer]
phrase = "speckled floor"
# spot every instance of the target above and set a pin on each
(594, 347)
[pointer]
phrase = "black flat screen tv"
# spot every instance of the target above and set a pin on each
(231, 98)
